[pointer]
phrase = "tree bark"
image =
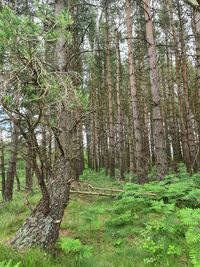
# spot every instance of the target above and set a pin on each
(184, 141)
(139, 153)
(2, 164)
(189, 118)
(18, 182)
(119, 109)
(110, 102)
(196, 30)
(42, 228)
(158, 130)
(8, 195)
(29, 169)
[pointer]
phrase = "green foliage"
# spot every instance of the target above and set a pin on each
(99, 179)
(168, 214)
(82, 98)
(90, 216)
(191, 219)
(30, 257)
(24, 40)
(75, 247)
(26, 29)
(9, 264)
(155, 224)
(120, 220)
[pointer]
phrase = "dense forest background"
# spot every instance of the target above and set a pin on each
(100, 102)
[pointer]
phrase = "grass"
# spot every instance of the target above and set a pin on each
(86, 218)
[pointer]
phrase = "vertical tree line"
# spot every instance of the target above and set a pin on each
(151, 119)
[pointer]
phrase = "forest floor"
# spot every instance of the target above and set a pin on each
(114, 241)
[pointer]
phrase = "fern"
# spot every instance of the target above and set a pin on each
(170, 210)
(74, 246)
(189, 216)
(120, 220)
(160, 207)
(195, 254)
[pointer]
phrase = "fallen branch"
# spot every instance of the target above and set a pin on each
(89, 186)
(92, 193)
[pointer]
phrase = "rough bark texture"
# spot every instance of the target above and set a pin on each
(110, 102)
(197, 43)
(189, 118)
(119, 109)
(40, 228)
(184, 141)
(158, 130)
(196, 30)
(139, 155)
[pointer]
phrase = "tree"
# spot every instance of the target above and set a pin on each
(2, 164)
(158, 131)
(29, 169)
(139, 155)
(11, 172)
(110, 98)
(119, 106)
(39, 83)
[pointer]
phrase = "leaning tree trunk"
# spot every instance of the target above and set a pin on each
(42, 228)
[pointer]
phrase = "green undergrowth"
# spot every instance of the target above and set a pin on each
(156, 224)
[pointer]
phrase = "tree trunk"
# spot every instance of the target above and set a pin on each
(42, 228)
(18, 182)
(131, 146)
(119, 111)
(189, 118)
(44, 149)
(8, 195)
(139, 153)
(184, 141)
(2, 164)
(158, 130)
(196, 30)
(29, 169)
(110, 102)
